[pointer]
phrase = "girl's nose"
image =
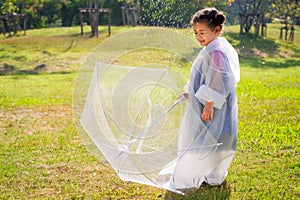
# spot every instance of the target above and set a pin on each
(198, 37)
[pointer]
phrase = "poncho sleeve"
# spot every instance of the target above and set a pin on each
(218, 80)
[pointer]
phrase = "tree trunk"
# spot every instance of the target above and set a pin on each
(257, 25)
(94, 23)
(94, 16)
(241, 24)
(250, 14)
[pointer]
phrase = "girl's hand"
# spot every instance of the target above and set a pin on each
(186, 95)
(208, 111)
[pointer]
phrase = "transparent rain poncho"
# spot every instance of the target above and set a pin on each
(136, 116)
(213, 78)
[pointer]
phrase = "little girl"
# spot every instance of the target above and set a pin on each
(208, 133)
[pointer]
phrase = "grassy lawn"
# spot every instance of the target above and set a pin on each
(41, 153)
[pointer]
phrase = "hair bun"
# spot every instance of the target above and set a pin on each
(220, 18)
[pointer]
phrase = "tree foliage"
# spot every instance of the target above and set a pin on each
(286, 10)
(177, 13)
(7, 7)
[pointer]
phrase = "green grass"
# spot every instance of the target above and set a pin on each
(41, 153)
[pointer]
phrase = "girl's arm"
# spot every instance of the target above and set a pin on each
(215, 85)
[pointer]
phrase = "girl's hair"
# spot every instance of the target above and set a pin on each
(211, 16)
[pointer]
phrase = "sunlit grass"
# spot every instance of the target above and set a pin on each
(36, 90)
(53, 49)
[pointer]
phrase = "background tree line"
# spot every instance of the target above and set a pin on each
(175, 13)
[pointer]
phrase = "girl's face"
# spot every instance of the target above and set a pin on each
(204, 34)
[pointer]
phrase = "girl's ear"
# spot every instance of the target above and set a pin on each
(217, 29)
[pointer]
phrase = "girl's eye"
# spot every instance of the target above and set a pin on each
(201, 33)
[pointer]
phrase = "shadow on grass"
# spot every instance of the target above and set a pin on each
(262, 63)
(249, 45)
(253, 51)
(88, 34)
(12, 70)
(205, 192)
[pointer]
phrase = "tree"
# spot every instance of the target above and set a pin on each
(11, 11)
(287, 10)
(94, 8)
(130, 12)
(94, 16)
(251, 12)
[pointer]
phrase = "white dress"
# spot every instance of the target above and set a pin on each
(207, 149)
